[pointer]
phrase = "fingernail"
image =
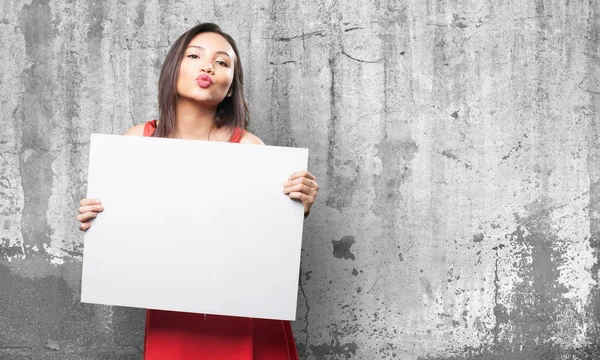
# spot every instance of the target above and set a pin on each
(97, 201)
(100, 208)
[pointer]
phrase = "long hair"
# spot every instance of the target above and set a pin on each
(231, 112)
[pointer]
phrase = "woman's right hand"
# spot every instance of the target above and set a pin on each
(88, 210)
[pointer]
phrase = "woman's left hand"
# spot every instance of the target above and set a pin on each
(303, 186)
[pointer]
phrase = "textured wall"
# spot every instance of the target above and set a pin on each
(456, 143)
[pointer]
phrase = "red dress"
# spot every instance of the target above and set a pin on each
(177, 335)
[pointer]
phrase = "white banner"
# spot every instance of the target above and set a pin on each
(193, 226)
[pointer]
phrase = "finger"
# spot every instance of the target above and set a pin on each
(86, 202)
(299, 196)
(86, 216)
(300, 180)
(302, 173)
(298, 188)
(84, 226)
(88, 208)
(306, 200)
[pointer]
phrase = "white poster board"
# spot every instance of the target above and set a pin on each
(193, 226)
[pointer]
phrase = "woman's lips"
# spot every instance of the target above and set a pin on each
(204, 81)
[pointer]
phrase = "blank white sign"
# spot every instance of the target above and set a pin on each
(193, 226)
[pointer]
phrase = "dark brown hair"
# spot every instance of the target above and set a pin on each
(231, 112)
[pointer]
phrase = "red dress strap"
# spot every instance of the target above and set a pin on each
(237, 135)
(149, 128)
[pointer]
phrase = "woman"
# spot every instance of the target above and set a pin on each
(201, 97)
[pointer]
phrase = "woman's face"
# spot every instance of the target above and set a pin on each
(206, 71)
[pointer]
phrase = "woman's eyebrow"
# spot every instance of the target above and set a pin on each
(201, 48)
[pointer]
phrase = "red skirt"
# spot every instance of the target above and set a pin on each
(177, 335)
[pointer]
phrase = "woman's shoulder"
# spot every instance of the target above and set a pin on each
(249, 138)
(139, 129)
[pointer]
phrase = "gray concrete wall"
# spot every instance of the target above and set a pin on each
(456, 143)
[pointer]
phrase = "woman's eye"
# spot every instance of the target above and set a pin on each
(222, 63)
(193, 56)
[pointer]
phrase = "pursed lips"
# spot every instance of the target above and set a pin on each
(204, 81)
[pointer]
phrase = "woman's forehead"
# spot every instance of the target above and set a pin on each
(213, 42)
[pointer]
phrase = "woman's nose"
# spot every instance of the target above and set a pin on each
(207, 68)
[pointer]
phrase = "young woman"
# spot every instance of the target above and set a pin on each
(201, 97)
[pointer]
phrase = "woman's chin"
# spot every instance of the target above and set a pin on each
(203, 100)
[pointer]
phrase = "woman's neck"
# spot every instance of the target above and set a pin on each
(193, 121)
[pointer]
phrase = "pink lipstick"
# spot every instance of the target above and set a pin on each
(204, 81)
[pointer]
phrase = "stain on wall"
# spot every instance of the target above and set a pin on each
(341, 248)
(456, 145)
